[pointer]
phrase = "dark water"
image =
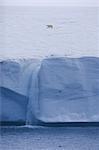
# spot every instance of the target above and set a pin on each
(49, 138)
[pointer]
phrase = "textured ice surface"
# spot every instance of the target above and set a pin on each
(57, 89)
(16, 78)
(69, 89)
(16, 74)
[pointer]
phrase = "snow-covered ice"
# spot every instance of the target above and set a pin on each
(24, 32)
(56, 89)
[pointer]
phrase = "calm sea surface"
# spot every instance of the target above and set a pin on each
(49, 138)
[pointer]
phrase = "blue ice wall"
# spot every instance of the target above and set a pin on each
(53, 90)
(15, 84)
(69, 89)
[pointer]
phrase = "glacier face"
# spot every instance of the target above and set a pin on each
(56, 89)
(15, 86)
(69, 89)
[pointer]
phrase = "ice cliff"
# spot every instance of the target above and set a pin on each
(57, 89)
(15, 84)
